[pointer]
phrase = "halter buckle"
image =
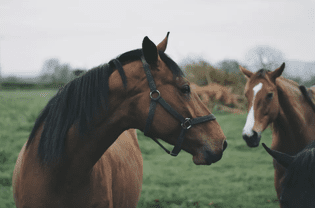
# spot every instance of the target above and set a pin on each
(155, 98)
(186, 124)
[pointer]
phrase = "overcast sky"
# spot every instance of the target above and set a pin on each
(88, 33)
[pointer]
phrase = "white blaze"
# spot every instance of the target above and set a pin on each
(250, 121)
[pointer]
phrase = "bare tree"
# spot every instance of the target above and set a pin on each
(53, 71)
(264, 57)
(48, 70)
(50, 65)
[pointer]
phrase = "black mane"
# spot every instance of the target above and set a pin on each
(302, 168)
(262, 72)
(77, 102)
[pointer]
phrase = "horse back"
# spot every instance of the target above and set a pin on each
(311, 93)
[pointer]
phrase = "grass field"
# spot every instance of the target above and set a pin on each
(242, 178)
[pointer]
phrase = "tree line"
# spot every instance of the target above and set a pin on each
(54, 73)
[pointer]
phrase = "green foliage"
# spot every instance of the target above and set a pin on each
(30, 86)
(242, 178)
(10, 79)
(309, 82)
(229, 66)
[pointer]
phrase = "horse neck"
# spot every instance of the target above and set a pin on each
(84, 152)
(293, 128)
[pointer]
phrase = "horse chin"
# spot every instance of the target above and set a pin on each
(200, 161)
(206, 158)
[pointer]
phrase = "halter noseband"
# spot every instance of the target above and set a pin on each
(186, 123)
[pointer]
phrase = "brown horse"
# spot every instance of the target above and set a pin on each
(298, 187)
(73, 157)
(278, 101)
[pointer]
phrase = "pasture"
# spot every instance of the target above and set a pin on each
(242, 178)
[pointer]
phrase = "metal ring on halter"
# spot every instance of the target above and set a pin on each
(184, 124)
(156, 98)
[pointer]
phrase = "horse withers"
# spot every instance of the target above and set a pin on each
(298, 187)
(277, 101)
(73, 157)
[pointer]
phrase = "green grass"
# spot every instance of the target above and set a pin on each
(242, 178)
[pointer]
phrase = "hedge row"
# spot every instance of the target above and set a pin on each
(29, 86)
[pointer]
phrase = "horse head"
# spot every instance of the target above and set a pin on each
(263, 103)
(205, 140)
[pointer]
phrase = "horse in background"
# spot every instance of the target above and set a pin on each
(279, 102)
(73, 158)
(214, 91)
(298, 187)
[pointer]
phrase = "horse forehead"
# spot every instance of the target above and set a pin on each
(257, 88)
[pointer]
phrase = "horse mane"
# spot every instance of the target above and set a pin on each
(303, 167)
(77, 102)
(261, 73)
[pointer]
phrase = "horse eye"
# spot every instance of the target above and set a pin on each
(185, 89)
(270, 95)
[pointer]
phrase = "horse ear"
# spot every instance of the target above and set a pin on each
(150, 51)
(283, 159)
(246, 72)
(277, 73)
(162, 45)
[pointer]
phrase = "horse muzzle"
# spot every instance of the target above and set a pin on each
(208, 157)
(253, 139)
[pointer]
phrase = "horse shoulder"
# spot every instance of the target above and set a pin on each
(17, 172)
(28, 180)
(119, 171)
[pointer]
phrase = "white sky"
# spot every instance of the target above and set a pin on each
(88, 33)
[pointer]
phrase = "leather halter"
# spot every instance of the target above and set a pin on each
(186, 123)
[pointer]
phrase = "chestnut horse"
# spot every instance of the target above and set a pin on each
(298, 187)
(73, 157)
(275, 100)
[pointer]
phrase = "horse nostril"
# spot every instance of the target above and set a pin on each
(224, 145)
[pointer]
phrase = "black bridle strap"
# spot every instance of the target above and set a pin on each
(202, 119)
(148, 74)
(178, 146)
(166, 150)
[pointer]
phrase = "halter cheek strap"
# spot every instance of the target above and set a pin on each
(186, 123)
